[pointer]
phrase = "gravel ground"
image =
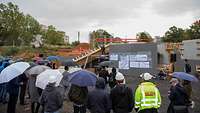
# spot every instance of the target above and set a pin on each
(163, 86)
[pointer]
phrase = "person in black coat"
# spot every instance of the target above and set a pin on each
(23, 85)
(98, 99)
(112, 80)
(13, 91)
(187, 67)
(121, 96)
(179, 100)
(104, 74)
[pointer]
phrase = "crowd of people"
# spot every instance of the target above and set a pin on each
(120, 99)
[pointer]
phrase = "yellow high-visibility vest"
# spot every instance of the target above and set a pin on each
(147, 96)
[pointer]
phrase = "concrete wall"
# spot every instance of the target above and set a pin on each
(179, 64)
(132, 48)
(163, 53)
(191, 49)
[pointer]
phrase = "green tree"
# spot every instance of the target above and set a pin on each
(144, 37)
(31, 28)
(16, 28)
(194, 31)
(100, 33)
(53, 37)
(174, 34)
(11, 20)
(75, 43)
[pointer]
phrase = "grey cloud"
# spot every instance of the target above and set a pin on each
(79, 13)
(177, 7)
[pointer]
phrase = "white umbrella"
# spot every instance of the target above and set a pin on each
(13, 71)
(36, 70)
(44, 78)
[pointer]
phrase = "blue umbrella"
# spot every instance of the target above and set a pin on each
(184, 76)
(83, 78)
(53, 58)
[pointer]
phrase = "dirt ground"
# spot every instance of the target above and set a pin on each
(163, 86)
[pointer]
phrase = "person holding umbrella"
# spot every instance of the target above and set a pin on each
(98, 99)
(13, 91)
(178, 97)
(78, 95)
(78, 92)
(51, 98)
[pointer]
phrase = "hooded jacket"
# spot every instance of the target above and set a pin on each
(98, 99)
(122, 99)
(178, 97)
(51, 99)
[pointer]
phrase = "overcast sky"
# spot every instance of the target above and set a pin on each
(122, 18)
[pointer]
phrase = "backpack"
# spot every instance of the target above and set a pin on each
(78, 94)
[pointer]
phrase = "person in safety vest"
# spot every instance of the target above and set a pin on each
(147, 96)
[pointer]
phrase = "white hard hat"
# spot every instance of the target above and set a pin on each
(119, 76)
(146, 76)
(52, 79)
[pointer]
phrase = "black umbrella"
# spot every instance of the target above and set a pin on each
(69, 63)
(107, 63)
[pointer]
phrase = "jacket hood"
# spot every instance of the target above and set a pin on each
(50, 87)
(100, 83)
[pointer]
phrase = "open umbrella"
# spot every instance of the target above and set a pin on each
(53, 58)
(43, 78)
(106, 63)
(69, 63)
(37, 70)
(83, 78)
(13, 71)
(184, 76)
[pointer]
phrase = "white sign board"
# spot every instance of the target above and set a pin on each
(123, 64)
(133, 58)
(113, 57)
(141, 57)
(144, 65)
(135, 64)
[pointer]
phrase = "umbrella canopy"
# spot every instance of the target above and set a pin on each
(43, 62)
(184, 76)
(36, 70)
(53, 58)
(43, 78)
(69, 63)
(83, 78)
(13, 71)
(106, 63)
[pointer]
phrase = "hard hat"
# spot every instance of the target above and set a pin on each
(52, 79)
(146, 76)
(119, 76)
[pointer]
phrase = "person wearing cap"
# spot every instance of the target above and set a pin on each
(51, 98)
(121, 96)
(179, 100)
(147, 96)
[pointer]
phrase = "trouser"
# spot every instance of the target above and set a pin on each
(33, 108)
(79, 109)
(12, 103)
(152, 110)
(22, 93)
(53, 112)
(3, 93)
